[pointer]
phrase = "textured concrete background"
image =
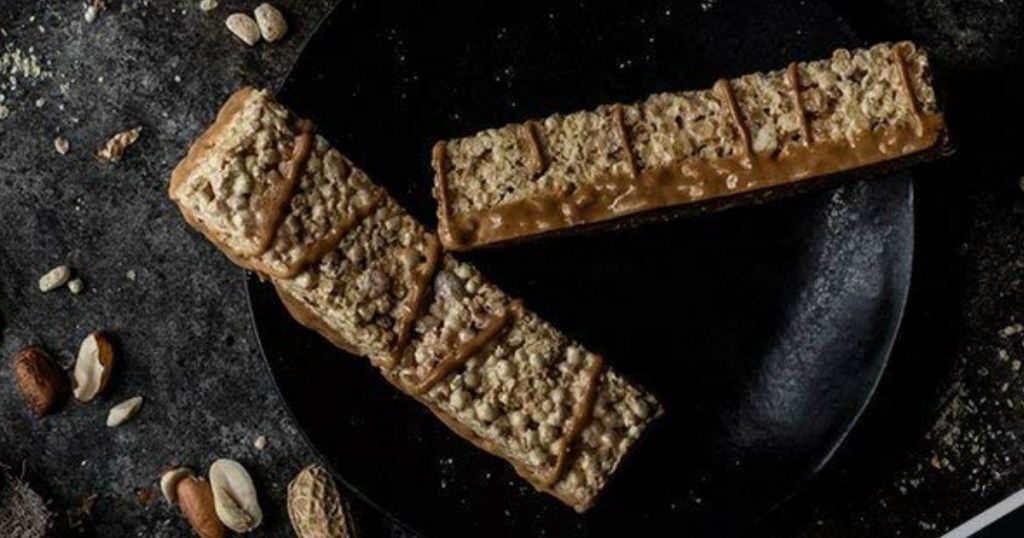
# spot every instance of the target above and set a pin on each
(182, 328)
(939, 443)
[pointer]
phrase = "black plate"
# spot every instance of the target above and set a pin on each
(763, 330)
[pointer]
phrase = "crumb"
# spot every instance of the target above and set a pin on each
(144, 496)
(208, 5)
(260, 443)
(130, 275)
(113, 150)
(61, 145)
(1011, 330)
(94, 9)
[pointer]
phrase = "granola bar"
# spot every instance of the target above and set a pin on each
(350, 263)
(690, 150)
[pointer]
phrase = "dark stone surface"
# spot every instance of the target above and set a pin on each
(182, 328)
(939, 443)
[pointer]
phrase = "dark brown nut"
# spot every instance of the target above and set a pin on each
(195, 498)
(40, 379)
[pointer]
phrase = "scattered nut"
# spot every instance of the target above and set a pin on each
(61, 145)
(271, 22)
(235, 496)
(120, 413)
(55, 278)
(113, 150)
(40, 380)
(196, 501)
(76, 285)
(244, 28)
(169, 482)
(94, 9)
(93, 367)
(260, 443)
(314, 505)
(208, 5)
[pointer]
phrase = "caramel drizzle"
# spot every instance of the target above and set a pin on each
(468, 349)
(908, 90)
(540, 158)
(626, 140)
(440, 162)
(423, 283)
(584, 414)
(793, 78)
(724, 88)
(303, 146)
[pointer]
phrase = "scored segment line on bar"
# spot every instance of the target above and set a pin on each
(987, 517)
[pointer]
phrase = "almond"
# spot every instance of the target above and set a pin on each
(40, 379)
(93, 367)
(195, 499)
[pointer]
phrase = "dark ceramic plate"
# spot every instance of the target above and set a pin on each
(763, 330)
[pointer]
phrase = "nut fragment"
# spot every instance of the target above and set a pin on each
(61, 145)
(113, 150)
(92, 369)
(244, 28)
(76, 285)
(169, 482)
(235, 496)
(41, 381)
(314, 505)
(271, 22)
(94, 9)
(55, 278)
(196, 500)
(120, 413)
